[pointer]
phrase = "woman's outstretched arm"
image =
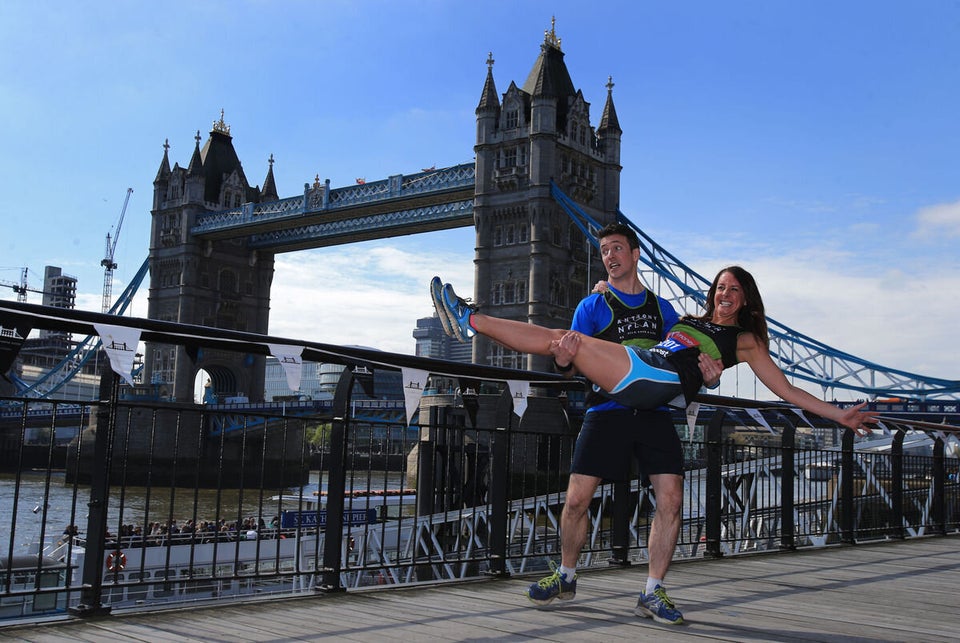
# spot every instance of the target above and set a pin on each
(754, 352)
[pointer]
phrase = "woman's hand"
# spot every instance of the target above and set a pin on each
(601, 287)
(710, 369)
(856, 420)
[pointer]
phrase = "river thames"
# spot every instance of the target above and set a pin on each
(67, 505)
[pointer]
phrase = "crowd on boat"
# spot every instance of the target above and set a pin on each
(186, 531)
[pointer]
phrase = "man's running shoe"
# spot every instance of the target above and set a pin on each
(458, 314)
(658, 606)
(436, 296)
(553, 586)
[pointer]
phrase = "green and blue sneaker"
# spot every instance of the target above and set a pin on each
(658, 606)
(553, 586)
(458, 312)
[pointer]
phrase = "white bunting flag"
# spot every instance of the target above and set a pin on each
(120, 344)
(520, 391)
(803, 417)
(693, 410)
(756, 415)
(291, 361)
(414, 381)
(883, 427)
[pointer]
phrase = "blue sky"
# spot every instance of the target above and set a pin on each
(814, 143)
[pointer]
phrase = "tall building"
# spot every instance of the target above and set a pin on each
(433, 342)
(39, 355)
(532, 261)
(59, 291)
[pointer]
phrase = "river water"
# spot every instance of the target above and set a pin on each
(67, 505)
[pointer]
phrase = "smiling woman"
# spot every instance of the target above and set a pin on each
(733, 329)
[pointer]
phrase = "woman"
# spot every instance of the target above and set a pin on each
(733, 329)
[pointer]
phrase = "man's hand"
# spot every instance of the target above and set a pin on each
(710, 369)
(565, 348)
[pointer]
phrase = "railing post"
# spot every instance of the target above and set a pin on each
(92, 574)
(896, 484)
(428, 463)
(846, 489)
(620, 526)
(337, 484)
(714, 484)
(499, 485)
(938, 508)
(788, 476)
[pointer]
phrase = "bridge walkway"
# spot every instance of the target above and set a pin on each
(886, 591)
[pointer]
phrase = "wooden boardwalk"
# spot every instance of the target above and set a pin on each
(889, 591)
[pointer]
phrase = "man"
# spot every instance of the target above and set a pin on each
(611, 434)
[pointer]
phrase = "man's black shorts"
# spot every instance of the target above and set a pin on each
(610, 440)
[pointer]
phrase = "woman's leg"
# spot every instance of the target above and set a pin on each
(604, 363)
(516, 335)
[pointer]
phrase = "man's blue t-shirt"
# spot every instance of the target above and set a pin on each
(594, 316)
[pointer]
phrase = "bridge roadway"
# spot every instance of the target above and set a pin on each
(885, 591)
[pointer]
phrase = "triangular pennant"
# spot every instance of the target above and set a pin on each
(290, 360)
(519, 391)
(883, 427)
(120, 344)
(693, 410)
(11, 339)
(414, 382)
(941, 435)
(803, 417)
(756, 415)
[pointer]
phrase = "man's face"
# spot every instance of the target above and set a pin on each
(618, 258)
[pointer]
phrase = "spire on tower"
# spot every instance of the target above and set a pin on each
(489, 98)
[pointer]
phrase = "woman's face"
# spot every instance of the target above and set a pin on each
(728, 299)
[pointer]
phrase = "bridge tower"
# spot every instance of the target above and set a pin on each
(532, 262)
(222, 284)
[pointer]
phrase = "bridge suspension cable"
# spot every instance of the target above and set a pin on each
(798, 355)
(73, 363)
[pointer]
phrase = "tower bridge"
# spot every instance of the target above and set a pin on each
(544, 179)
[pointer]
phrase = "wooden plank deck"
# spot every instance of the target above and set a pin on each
(889, 591)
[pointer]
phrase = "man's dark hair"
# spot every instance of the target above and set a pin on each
(620, 228)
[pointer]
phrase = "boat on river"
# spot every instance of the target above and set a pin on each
(201, 566)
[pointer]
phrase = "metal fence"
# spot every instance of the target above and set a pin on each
(126, 503)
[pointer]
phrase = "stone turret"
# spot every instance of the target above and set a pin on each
(532, 262)
(219, 283)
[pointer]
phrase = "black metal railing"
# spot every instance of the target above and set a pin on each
(124, 502)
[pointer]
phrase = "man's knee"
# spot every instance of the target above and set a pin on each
(580, 492)
(668, 490)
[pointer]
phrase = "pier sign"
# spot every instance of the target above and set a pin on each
(351, 517)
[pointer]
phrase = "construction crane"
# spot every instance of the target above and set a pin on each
(109, 265)
(21, 288)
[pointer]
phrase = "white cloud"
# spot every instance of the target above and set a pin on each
(367, 294)
(940, 220)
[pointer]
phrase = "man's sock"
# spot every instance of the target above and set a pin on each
(568, 572)
(652, 584)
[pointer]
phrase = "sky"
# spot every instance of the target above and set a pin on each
(813, 143)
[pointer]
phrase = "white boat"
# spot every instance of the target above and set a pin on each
(199, 567)
(25, 573)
